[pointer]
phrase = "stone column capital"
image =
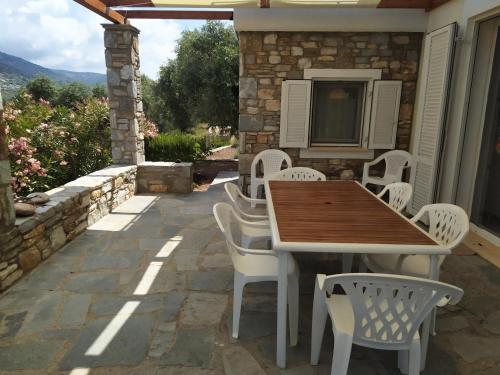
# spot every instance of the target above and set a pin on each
(116, 27)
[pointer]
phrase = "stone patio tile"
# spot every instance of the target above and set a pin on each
(452, 323)
(172, 305)
(196, 239)
(492, 323)
(254, 325)
(166, 281)
(29, 355)
(50, 277)
(93, 282)
(238, 361)
(19, 300)
(192, 348)
(216, 247)
(128, 347)
(163, 339)
(123, 244)
(43, 314)
(157, 244)
(123, 260)
(11, 323)
(109, 305)
(186, 371)
(203, 223)
(203, 309)
(216, 261)
(473, 348)
(212, 281)
(60, 334)
(308, 370)
(186, 260)
(75, 310)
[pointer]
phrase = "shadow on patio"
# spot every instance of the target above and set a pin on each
(147, 290)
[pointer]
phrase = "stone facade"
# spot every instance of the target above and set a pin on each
(124, 91)
(268, 58)
(71, 209)
(165, 177)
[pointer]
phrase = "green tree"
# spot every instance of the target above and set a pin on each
(154, 104)
(99, 91)
(42, 87)
(72, 94)
(201, 84)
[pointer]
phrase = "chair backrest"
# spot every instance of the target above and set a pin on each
(272, 161)
(233, 191)
(399, 195)
(395, 162)
(389, 309)
(448, 224)
(298, 174)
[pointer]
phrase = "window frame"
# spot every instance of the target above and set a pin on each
(350, 75)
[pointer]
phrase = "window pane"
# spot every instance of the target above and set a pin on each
(337, 112)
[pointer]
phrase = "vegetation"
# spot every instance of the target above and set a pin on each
(200, 85)
(51, 145)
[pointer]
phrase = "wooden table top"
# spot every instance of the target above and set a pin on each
(338, 212)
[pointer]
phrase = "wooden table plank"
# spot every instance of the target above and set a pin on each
(338, 212)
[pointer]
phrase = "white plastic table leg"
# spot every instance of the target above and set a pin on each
(341, 354)
(347, 262)
(424, 339)
(320, 313)
(293, 308)
(282, 305)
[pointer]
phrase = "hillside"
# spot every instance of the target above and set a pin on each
(15, 72)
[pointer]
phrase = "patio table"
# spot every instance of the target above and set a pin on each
(338, 217)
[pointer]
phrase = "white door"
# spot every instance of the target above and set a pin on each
(431, 114)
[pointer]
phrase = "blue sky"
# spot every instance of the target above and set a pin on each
(61, 34)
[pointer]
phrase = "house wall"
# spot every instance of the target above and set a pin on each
(268, 58)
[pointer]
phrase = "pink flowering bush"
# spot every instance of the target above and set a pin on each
(50, 146)
(148, 127)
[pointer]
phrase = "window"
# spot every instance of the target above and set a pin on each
(337, 113)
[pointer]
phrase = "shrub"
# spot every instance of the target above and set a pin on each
(50, 146)
(176, 146)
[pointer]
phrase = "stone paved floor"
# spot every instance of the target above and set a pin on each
(147, 290)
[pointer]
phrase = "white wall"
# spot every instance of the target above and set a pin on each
(352, 19)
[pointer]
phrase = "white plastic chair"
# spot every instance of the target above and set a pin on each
(248, 208)
(255, 265)
(298, 174)
(399, 195)
(448, 225)
(272, 162)
(395, 162)
(377, 311)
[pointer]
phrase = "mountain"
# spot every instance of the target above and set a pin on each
(15, 72)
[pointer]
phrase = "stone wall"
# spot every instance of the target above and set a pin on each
(124, 92)
(165, 177)
(71, 209)
(268, 58)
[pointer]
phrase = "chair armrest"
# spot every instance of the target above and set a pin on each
(320, 281)
(243, 251)
(252, 200)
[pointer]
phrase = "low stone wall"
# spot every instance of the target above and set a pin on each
(164, 177)
(213, 167)
(71, 209)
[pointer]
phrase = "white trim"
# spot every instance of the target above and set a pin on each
(363, 75)
(375, 111)
(343, 74)
(311, 153)
(485, 234)
(333, 19)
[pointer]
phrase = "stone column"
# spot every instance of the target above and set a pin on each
(124, 91)
(7, 213)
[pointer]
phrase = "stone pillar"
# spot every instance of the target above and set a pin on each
(7, 213)
(124, 91)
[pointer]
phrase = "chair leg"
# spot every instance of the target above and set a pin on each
(403, 358)
(293, 308)
(424, 341)
(341, 354)
(254, 190)
(320, 313)
(347, 262)
(239, 284)
(433, 322)
(414, 361)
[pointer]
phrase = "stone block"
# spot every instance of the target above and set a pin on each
(57, 238)
(270, 38)
(29, 259)
(249, 123)
(248, 88)
(165, 177)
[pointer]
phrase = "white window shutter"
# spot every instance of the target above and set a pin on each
(295, 110)
(385, 114)
(431, 115)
